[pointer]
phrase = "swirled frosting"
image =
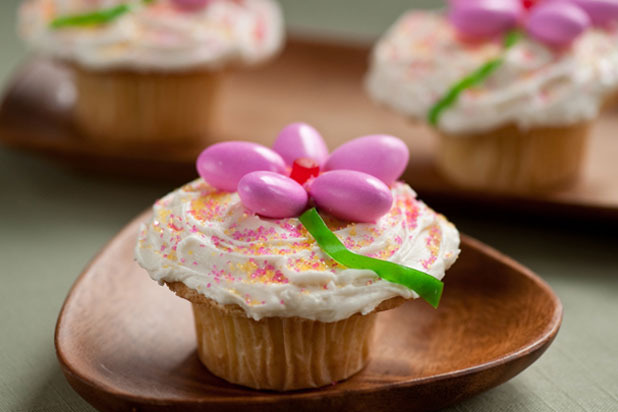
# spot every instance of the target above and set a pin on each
(158, 35)
(416, 62)
(274, 268)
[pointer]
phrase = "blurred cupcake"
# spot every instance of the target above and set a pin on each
(148, 70)
(285, 297)
(511, 88)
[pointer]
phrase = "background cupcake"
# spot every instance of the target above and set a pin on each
(511, 91)
(149, 70)
(274, 307)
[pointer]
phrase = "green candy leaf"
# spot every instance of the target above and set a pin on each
(475, 78)
(512, 38)
(94, 18)
(427, 287)
(91, 19)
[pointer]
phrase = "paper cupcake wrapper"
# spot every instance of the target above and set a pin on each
(138, 107)
(513, 160)
(279, 353)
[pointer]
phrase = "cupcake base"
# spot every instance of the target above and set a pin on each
(125, 106)
(279, 353)
(513, 160)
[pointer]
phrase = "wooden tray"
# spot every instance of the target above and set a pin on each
(125, 343)
(313, 82)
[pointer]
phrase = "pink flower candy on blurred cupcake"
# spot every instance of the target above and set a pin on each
(511, 87)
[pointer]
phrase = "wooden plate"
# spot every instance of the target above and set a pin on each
(315, 82)
(124, 342)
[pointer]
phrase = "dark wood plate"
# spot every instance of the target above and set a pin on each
(125, 343)
(315, 82)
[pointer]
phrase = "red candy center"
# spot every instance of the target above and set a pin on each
(304, 169)
(528, 3)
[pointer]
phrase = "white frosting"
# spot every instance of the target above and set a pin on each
(274, 268)
(157, 36)
(420, 58)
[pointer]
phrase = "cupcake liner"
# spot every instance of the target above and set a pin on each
(125, 106)
(279, 353)
(514, 160)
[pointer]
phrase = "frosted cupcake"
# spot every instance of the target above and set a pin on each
(511, 90)
(285, 297)
(149, 70)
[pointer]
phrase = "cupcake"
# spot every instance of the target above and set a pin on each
(149, 70)
(510, 89)
(287, 259)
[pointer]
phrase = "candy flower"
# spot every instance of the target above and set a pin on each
(352, 183)
(556, 23)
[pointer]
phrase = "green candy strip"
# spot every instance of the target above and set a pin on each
(94, 18)
(427, 287)
(91, 19)
(473, 79)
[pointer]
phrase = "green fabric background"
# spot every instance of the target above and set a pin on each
(52, 221)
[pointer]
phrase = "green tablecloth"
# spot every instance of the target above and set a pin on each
(52, 221)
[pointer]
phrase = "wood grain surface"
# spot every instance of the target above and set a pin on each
(125, 343)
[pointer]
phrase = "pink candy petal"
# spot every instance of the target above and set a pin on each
(485, 18)
(557, 23)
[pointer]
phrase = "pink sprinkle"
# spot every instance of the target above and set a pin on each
(282, 302)
(176, 228)
(195, 263)
(182, 260)
(208, 285)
